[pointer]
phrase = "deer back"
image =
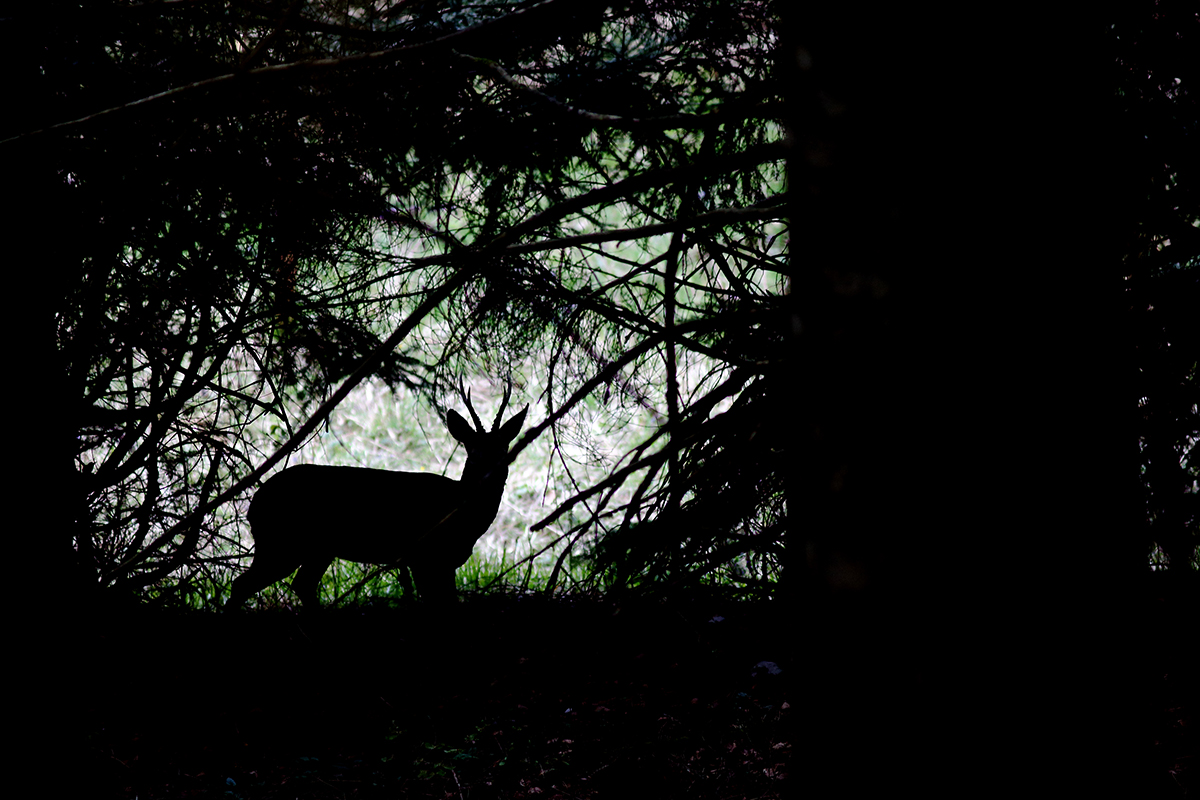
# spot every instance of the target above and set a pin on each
(369, 515)
(380, 516)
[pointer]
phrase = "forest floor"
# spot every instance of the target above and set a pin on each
(500, 697)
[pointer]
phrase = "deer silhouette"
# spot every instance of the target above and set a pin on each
(306, 516)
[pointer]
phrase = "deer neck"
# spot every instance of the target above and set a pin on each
(478, 501)
(486, 478)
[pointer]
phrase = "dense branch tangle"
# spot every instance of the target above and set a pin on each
(314, 193)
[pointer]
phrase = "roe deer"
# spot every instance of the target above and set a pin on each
(306, 516)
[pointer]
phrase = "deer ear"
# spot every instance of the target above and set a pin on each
(460, 429)
(510, 429)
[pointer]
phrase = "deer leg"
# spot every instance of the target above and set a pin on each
(308, 580)
(435, 584)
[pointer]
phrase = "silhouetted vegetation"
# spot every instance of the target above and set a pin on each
(270, 203)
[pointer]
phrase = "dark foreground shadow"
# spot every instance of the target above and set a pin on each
(496, 697)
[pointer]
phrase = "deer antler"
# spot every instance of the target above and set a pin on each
(466, 396)
(503, 404)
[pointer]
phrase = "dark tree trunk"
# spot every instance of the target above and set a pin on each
(961, 524)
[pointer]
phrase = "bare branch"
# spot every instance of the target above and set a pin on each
(387, 56)
(724, 216)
